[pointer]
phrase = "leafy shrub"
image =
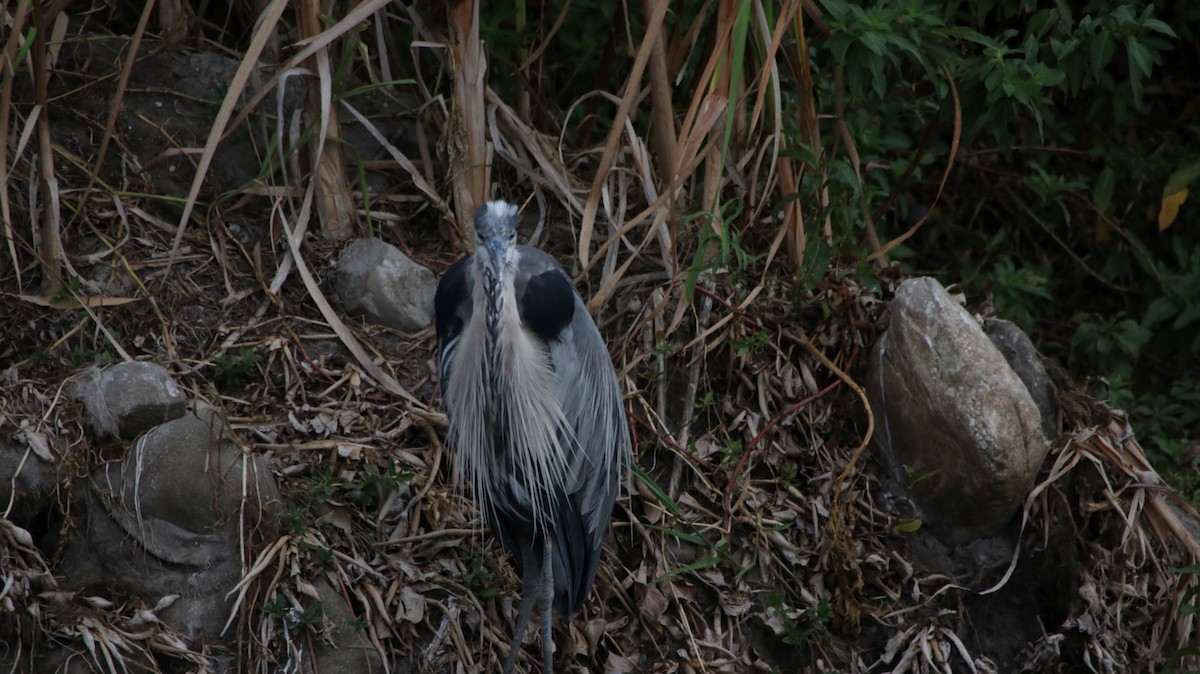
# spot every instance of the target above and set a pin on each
(1074, 136)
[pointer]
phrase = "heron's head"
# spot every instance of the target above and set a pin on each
(495, 246)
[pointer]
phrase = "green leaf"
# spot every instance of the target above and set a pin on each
(1158, 311)
(838, 46)
(740, 30)
(1102, 192)
(875, 42)
(694, 539)
(1182, 178)
(1130, 337)
(1063, 48)
(1042, 22)
(1188, 317)
(1139, 57)
(1103, 46)
(1064, 11)
(816, 262)
(1135, 86)
(663, 499)
(836, 8)
(698, 565)
(906, 45)
(906, 526)
(1049, 77)
(1159, 27)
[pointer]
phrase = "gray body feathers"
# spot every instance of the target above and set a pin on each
(537, 423)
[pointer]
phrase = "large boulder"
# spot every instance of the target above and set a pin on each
(28, 475)
(1024, 359)
(956, 425)
(168, 520)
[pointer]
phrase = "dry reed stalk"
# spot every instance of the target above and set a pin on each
(8, 67)
(172, 19)
(470, 153)
(48, 239)
(334, 202)
(662, 112)
(608, 157)
(790, 174)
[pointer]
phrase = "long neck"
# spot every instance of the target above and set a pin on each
(493, 303)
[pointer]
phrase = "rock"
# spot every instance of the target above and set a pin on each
(28, 476)
(49, 658)
(345, 649)
(956, 425)
(167, 519)
(128, 399)
(376, 279)
(1024, 359)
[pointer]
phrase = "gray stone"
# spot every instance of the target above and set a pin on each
(127, 399)
(376, 279)
(346, 649)
(28, 476)
(43, 656)
(167, 520)
(956, 425)
(1024, 359)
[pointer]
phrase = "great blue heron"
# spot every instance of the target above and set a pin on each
(536, 420)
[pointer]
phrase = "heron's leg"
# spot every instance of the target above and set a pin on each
(527, 599)
(547, 612)
(532, 580)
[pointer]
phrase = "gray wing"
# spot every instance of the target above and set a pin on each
(591, 401)
(452, 309)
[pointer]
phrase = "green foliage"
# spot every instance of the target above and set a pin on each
(1019, 291)
(293, 618)
(1111, 343)
(369, 488)
(80, 357)
(296, 518)
(1074, 133)
(1009, 59)
(298, 515)
(720, 249)
(234, 369)
(375, 485)
(751, 343)
(914, 478)
(583, 47)
(320, 490)
(731, 453)
(71, 289)
(800, 626)
(481, 579)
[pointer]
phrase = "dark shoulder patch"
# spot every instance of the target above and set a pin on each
(451, 292)
(548, 304)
